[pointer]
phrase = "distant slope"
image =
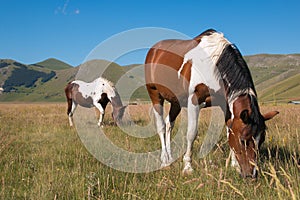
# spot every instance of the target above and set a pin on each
(282, 91)
(53, 64)
(266, 66)
(92, 69)
(276, 77)
(114, 72)
(33, 83)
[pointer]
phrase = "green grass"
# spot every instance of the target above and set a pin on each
(41, 157)
(288, 88)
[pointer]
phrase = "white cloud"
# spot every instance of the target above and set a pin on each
(77, 11)
(64, 9)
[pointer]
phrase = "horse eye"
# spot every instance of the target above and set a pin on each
(102, 83)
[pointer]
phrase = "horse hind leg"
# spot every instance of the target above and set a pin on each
(161, 130)
(71, 109)
(170, 121)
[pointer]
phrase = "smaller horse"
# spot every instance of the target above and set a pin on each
(94, 94)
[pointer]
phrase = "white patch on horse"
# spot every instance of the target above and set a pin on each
(96, 88)
(204, 58)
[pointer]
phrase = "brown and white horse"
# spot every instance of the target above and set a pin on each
(206, 71)
(94, 94)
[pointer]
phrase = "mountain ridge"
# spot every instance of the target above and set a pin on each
(276, 77)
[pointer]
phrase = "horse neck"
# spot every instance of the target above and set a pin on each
(116, 101)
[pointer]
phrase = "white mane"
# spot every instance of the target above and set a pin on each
(213, 45)
(101, 79)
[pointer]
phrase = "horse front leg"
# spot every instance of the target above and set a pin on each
(101, 110)
(193, 113)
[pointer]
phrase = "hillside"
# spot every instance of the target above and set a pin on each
(36, 82)
(276, 77)
(53, 64)
(45, 81)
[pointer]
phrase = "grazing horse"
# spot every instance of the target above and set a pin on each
(94, 94)
(206, 71)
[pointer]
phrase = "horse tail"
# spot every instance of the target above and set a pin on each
(68, 92)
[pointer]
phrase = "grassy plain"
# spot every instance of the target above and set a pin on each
(41, 157)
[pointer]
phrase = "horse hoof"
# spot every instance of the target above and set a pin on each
(187, 172)
(165, 167)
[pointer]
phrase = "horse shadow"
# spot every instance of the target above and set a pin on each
(279, 153)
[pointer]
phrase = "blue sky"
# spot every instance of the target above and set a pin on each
(32, 31)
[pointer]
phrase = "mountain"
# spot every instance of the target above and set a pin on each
(52, 63)
(45, 81)
(276, 77)
(35, 82)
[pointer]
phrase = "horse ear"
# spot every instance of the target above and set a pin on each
(245, 116)
(270, 115)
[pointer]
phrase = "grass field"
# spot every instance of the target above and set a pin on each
(41, 157)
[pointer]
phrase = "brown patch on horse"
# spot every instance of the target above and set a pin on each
(68, 92)
(201, 93)
(72, 93)
(81, 100)
(162, 63)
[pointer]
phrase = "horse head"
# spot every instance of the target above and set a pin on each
(118, 113)
(246, 133)
(118, 108)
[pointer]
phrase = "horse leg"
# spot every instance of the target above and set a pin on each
(193, 113)
(161, 130)
(101, 117)
(71, 109)
(170, 121)
(101, 110)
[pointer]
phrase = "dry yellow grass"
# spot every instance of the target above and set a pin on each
(41, 157)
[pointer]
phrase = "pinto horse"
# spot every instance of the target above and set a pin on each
(206, 71)
(94, 94)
